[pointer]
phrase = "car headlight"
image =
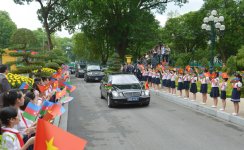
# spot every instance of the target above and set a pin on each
(102, 73)
(142, 93)
(115, 94)
(81, 71)
(147, 93)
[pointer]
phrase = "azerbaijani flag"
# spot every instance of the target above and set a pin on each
(24, 86)
(70, 88)
(45, 106)
(31, 111)
(50, 137)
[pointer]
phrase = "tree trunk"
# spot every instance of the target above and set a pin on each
(121, 48)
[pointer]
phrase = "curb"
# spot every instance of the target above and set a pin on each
(201, 108)
(63, 121)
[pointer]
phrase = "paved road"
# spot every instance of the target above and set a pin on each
(160, 126)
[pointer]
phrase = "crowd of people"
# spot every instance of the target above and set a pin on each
(18, 132)
(159, 75)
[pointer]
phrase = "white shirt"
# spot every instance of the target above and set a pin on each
(215, 82)
(187, 78)
(223, 86)
(238, 84)
(157, 75)
(173, 77)
(164, 76)
(169, 76)
(10, 140)
(21, 127)
(163, 50)
(180, 79)
(204, 80)
(193, 79)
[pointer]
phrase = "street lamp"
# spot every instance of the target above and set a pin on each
(212, 23)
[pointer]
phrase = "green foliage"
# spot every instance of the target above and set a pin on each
(58, 56)
(52, 65)
(240, 58)
(7, 28)
(52, 14)
(204, 62)
(231, 65)
(22, 38)
(114, 63)
(117, 21)
(179, 62)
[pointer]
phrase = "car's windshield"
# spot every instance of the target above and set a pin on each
(93, 67)
(124, 79)
(82, 66)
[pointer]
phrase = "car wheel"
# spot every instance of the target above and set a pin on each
(102, 97)
(110, 105)
(146, 104)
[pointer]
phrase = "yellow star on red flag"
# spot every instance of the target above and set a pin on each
(50, 145)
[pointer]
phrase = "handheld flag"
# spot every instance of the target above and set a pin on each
(31, 111)
(146, 85)
(43, 88)
(50, 137)
(224, 75)
(66, 99)
(24, 86)
(69, 88)
(45, 106)
(61, 93)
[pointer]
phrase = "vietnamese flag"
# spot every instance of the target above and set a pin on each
(24, 86)
(43, 88)
(61, 93)
(50, 137)
(31, 111)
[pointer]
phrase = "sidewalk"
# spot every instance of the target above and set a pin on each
(196, 105)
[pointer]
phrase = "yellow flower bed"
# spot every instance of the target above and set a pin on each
(16, 80)
(47, 70)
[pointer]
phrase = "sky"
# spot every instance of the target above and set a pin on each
(25, 16)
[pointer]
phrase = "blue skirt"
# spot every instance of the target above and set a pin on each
(168, 84)
(149, 79)
(180, 86)
(157, 81)
(153, 80)
(236, 95)
(223, 95)
(165, 82)
(172, 85)
(193, 88)
(204, 88)
(214, 92)
(144, 78)
(186, 85)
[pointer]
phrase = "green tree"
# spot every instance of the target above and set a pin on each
(26, 61)
(231, 39)
(240, 58)
(117, 19)
(7, 28)
(52, 15)
(23, 38)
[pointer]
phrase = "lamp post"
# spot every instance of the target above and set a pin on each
(212, 23)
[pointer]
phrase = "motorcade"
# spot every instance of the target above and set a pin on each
(80, 70)
(93, 73)
(120, 89)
